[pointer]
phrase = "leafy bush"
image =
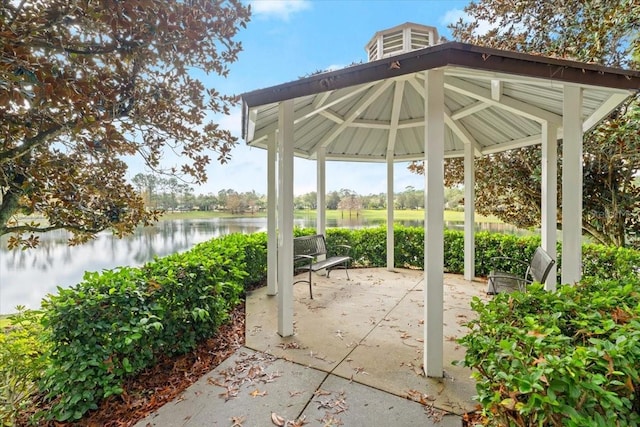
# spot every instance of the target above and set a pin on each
(115, 323)
(567, 358)
(22, 362)
(610, 262)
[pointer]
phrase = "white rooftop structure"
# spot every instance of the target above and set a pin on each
(445, 100)
(400, 39)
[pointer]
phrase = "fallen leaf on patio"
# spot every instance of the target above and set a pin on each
(277, 419)
(237, 421)
(451, 338)
(294, 393)
(330, 421)
(421, 322)
(405, 335)
(321, 392)
(229, 394)
(360, 370)
(298, 423)
(422, 398)
(258, 393)
(289, 345)
(419, 340)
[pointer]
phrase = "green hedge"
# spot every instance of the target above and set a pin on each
(115, 323)
(369, 250)
(565, 358)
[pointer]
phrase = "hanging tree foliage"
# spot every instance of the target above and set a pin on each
(605, 32)
(86, 84)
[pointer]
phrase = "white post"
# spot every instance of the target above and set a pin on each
(434, 224)
(272, 217)
(469, 213)
(572, 185)
(549, 190)
(285, 219)
(321, 196)
(390, 206)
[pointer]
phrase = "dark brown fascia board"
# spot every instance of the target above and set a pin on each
(455, 54)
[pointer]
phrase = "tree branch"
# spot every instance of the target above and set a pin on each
(21, 150)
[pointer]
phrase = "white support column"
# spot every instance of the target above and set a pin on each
(272, 217)
(285, 219)
(321, 209)
(390, 206)
(469, 213)
(434, 224)
(549, 190)
(572, 185)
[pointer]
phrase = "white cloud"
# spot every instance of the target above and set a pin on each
(279, 9)
(454, 15)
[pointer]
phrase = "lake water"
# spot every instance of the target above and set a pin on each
(27, 276)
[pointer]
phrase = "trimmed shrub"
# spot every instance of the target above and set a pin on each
(114, 324)
(22, 362)
(567, 358)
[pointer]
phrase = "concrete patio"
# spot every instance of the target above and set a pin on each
(354, 360)
(370, 330)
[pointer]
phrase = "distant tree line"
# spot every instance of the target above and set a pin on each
(170, 194)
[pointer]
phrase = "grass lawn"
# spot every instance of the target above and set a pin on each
(369, 214)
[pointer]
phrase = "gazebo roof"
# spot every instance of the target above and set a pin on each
(494, 99)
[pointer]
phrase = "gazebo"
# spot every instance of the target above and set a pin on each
(416, 100)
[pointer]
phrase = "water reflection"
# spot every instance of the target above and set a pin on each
(27, 276)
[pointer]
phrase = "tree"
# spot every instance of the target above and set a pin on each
(333, 198)
(603, 32)
(146, 185)
(349, 200)
(85, 84)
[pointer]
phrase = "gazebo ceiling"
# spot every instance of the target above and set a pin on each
(495, 100)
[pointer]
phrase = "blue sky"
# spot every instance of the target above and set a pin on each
(289, 39)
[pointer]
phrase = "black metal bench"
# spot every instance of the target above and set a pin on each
(307, 249)
(537, 270)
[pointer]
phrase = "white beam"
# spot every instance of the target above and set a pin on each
(456, 127)
(549, 190)
(496, 89)
(461, 132)
(321, 106)
(604, 110)
(285, 217)
(434, 223)
(469, 110)
(395, 117)
(390, 206)
(506, 103)
(516, 143)
(329, 114)
(311, 110)
(252, 117)
(356, 111)
(572, 185)
(272, 216)
(321, 184)
(469, 213)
